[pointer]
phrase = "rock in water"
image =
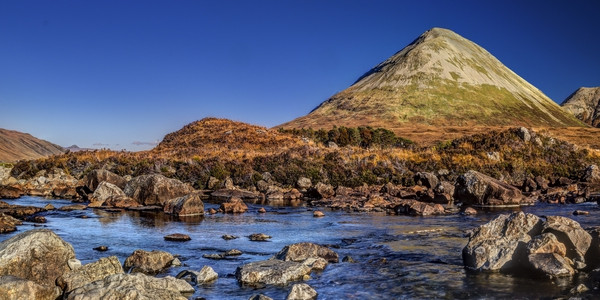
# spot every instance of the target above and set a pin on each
(272, 271)
(133, 287)
(14, 288)
(89, 273)
(259, 237)
(474, 188)
(8, 223)
(177, 237)
(500, 244)
(148, 262)
(303, 251)
(155, 189)
(189, 205)
(104, 192)
(302, 291)
(206, 275)
(38, 255)
(571, 234)
(551, 264)
(234, 205)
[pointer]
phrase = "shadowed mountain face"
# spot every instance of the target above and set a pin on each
(440, 79)
(16, 145)
(583, 104)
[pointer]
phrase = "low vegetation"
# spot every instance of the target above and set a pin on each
(245, 154)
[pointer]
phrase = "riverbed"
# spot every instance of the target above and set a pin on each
(397, 257)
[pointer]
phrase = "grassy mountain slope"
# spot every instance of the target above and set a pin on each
(441, 79)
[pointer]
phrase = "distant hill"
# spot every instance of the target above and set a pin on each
(75, 148)
(440, 79)
(212, 137)
(16, 145)
(583, 104)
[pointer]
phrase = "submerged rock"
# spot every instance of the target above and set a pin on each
(148, 262)
(133, 287)
(38, 255)
(73, 207)
(303, 251)
(177, 237)
(259, 237)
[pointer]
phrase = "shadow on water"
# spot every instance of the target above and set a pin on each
(397, 257)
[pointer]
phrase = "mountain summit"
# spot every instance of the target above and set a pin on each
(440, 79)
(584, 104)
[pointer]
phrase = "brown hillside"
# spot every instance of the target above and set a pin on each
(16, 145)
(213, 137)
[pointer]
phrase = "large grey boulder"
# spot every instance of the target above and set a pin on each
(155, 189)
(500, 244)
(38, 255)
(188, 205)
(133, 287)
(148, 262)
(15, 288)
(89, 273)
(272, 271)
(474, 188)
(302, 251)
(93, 179)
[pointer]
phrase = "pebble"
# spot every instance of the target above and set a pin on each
(259, 237)
(318, 214)
(101, 248)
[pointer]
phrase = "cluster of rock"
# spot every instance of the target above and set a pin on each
(45, 184)
(38, 264)
(524, 244)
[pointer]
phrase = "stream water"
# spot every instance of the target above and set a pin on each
(397, 257)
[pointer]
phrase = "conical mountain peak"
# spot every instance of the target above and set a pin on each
(441, 78)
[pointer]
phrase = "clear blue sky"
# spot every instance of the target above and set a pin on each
(111, 73)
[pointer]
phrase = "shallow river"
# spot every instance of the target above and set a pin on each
(397, 257)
